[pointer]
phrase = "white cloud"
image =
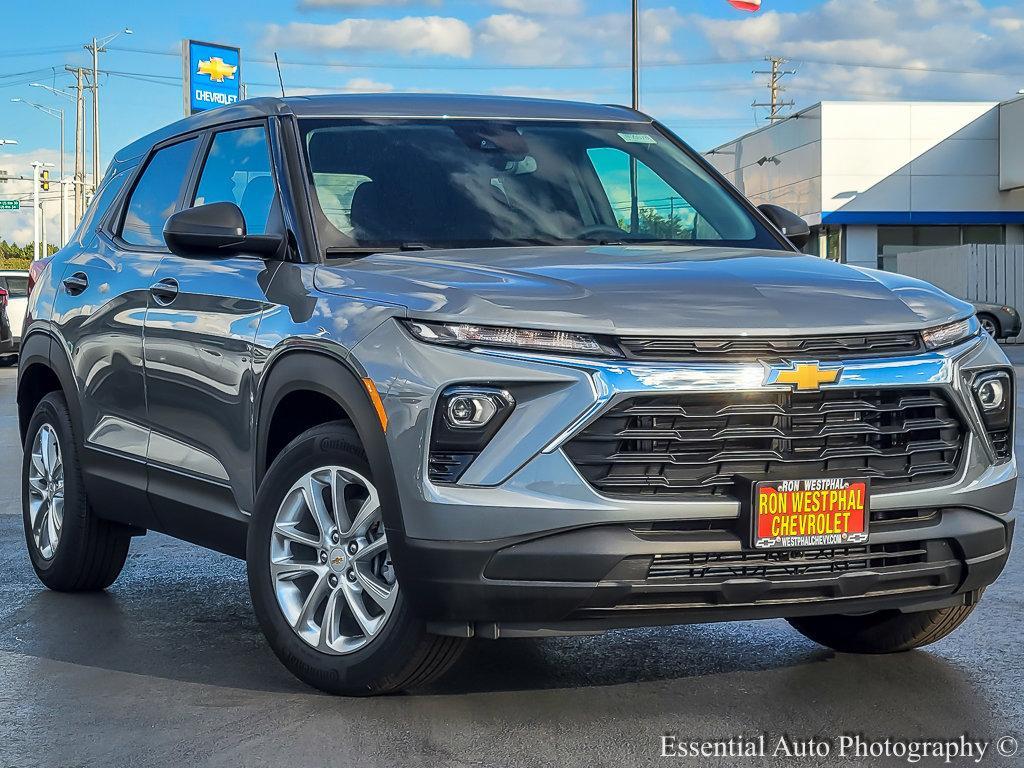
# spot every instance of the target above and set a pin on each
(313, 4)
(413, 34)
(899, 36)
(355, 85)
(16, 226)
(509, 29)
(519, 39)
(542, 7)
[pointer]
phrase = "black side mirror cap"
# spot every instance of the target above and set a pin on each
(788, 223)
(213, 230)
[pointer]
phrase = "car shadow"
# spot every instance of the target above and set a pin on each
(184, 614)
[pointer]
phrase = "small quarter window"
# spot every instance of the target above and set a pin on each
(237, 170)
(156, 194)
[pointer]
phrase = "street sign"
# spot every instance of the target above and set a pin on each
(212, 75)
(10, 205)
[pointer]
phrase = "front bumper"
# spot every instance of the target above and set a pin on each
(460, 549)
(604, 577)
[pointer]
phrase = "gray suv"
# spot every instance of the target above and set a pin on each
(445, 367)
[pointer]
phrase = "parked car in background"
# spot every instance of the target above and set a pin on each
(998, 321)
(15, 282)
(6, 334)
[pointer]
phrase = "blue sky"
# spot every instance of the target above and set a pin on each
(700, 55)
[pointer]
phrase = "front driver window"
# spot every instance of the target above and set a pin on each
(237, 170)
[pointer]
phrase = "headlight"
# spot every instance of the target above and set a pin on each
(951, 333)
(994, 392)
(463, 335)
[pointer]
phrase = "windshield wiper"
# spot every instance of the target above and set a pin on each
(358, 251)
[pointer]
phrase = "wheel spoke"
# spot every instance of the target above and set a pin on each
(39, 522)
(291, 532)
(37, 462)
(367, 623)
(57, 512)
(330, 628)
(338, 485)
(48, 450)
(312, 602)
(380, 593)
(372, 549)
(366, 514)
(289, 571)
(315, 503)
(52, 529)
(35, 484)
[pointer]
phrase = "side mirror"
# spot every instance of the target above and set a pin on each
(215, 230)
(788, 223)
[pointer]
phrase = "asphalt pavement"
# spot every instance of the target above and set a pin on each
(168, 668)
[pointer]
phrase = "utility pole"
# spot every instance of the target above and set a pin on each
(636, 54)
(95, 48)
(79, 177)
(775, 89)
(35, 209)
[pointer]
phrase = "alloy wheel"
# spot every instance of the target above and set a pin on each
(988, 325)
(329, 561)
(46, 491)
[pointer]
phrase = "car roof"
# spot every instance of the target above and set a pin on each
(384, 105)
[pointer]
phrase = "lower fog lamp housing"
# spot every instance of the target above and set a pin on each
(465, 420)
(993, 393)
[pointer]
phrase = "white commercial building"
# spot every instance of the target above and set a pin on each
(878, 178)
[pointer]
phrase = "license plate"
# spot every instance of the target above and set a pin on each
(828, 512)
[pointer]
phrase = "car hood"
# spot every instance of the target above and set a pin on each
(639, 290)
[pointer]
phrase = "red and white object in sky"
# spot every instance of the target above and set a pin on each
(746, 5)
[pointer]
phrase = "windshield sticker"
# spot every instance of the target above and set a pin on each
(638, 138)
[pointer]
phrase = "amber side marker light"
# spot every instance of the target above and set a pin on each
(378, 404)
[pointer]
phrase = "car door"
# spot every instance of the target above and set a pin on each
(200, 330)
(99, 314)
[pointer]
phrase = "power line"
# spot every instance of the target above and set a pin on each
(614, 65)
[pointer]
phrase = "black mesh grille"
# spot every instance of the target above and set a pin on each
(753, 348)
(769, 565)
(697, 444)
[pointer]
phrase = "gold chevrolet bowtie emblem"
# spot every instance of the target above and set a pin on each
(804, 376)
(217, 69)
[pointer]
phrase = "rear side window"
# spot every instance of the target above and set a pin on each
(156, 194)
(17, 287)
(237, 170)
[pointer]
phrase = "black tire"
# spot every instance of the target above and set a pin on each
(403, 656)
(991, 325)
(882, 631)
(7, 361)
(90, 552)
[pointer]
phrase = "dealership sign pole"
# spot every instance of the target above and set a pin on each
(212, 75)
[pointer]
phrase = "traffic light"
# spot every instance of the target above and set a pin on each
(44, 181)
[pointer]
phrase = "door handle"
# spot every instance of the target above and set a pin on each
(165, 291)
(76, 283)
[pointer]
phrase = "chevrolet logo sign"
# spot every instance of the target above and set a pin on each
(803, 377)
(217, 69)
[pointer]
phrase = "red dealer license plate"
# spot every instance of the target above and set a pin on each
(825, 512)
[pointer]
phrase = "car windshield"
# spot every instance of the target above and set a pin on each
(471, 183)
